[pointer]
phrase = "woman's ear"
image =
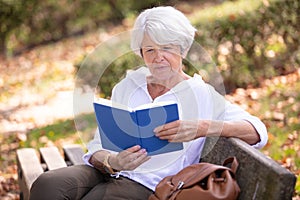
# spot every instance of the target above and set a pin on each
(141, 52)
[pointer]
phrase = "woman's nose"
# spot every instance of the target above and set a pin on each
(158, 55)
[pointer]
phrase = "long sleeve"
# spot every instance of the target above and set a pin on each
(93, 146)
(224, 110)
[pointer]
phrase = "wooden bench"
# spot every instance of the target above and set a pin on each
(258, 176)
(31, 165)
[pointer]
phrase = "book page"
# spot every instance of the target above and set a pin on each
(155, 104)
(110, 103)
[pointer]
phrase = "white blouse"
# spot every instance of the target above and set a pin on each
(196, 100)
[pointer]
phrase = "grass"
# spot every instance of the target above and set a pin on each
(61, 132)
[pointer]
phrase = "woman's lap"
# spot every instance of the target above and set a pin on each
(65, 183)
(117, 189)
(85, 182)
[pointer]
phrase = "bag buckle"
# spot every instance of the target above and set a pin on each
(219, 180)
(179, 185)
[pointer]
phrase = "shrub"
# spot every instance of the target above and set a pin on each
(253, 41)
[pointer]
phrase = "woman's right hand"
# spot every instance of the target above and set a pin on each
(128, 159)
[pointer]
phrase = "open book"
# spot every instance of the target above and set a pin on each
(121, 127)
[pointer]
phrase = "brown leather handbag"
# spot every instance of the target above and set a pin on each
(200, 181)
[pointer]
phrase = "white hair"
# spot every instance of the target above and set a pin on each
(164, 25)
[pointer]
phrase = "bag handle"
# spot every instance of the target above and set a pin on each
(192, 174)
(233, 162)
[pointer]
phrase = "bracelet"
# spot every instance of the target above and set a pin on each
(107, 166)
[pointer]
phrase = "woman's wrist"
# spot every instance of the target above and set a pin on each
(210, 128)
(97, 160)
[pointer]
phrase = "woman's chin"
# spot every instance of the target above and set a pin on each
(162, 71)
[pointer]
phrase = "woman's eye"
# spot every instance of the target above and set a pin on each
(149, 50)
(168, 49)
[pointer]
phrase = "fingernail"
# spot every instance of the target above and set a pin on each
(143, 150)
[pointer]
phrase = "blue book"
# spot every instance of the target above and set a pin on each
(121, 127)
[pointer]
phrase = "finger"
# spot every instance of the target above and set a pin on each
(174, 138)
(127, 157)
(135, 155)
(167, 126)
(138, 161)
(168, 132)
(133, 149)
(130, 150)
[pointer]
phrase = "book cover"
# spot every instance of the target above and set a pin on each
(121, 127)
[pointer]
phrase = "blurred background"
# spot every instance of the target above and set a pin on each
(255, 46)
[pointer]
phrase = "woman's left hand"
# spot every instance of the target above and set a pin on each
(178, 131)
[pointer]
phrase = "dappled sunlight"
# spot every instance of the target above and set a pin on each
(36, 92)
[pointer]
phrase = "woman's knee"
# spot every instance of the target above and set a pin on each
(49, 185)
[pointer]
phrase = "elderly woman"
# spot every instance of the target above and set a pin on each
(162, 36)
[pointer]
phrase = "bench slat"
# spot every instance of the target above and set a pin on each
(258, 176)
(29, 168)
(52, 157)
(73, 153)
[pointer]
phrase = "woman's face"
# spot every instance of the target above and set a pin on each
(163, 61)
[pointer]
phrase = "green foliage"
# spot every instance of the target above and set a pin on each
(248, 41)
(107, 64)
(251, 40)
(26, 23)
(12, 16)
(116, 70)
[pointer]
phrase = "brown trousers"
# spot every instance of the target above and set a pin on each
(86, 183)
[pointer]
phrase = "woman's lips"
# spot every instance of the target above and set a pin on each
(163, 67)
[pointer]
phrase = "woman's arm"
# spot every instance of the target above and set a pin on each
(220, 118)
(183, 131)
(242, 129)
